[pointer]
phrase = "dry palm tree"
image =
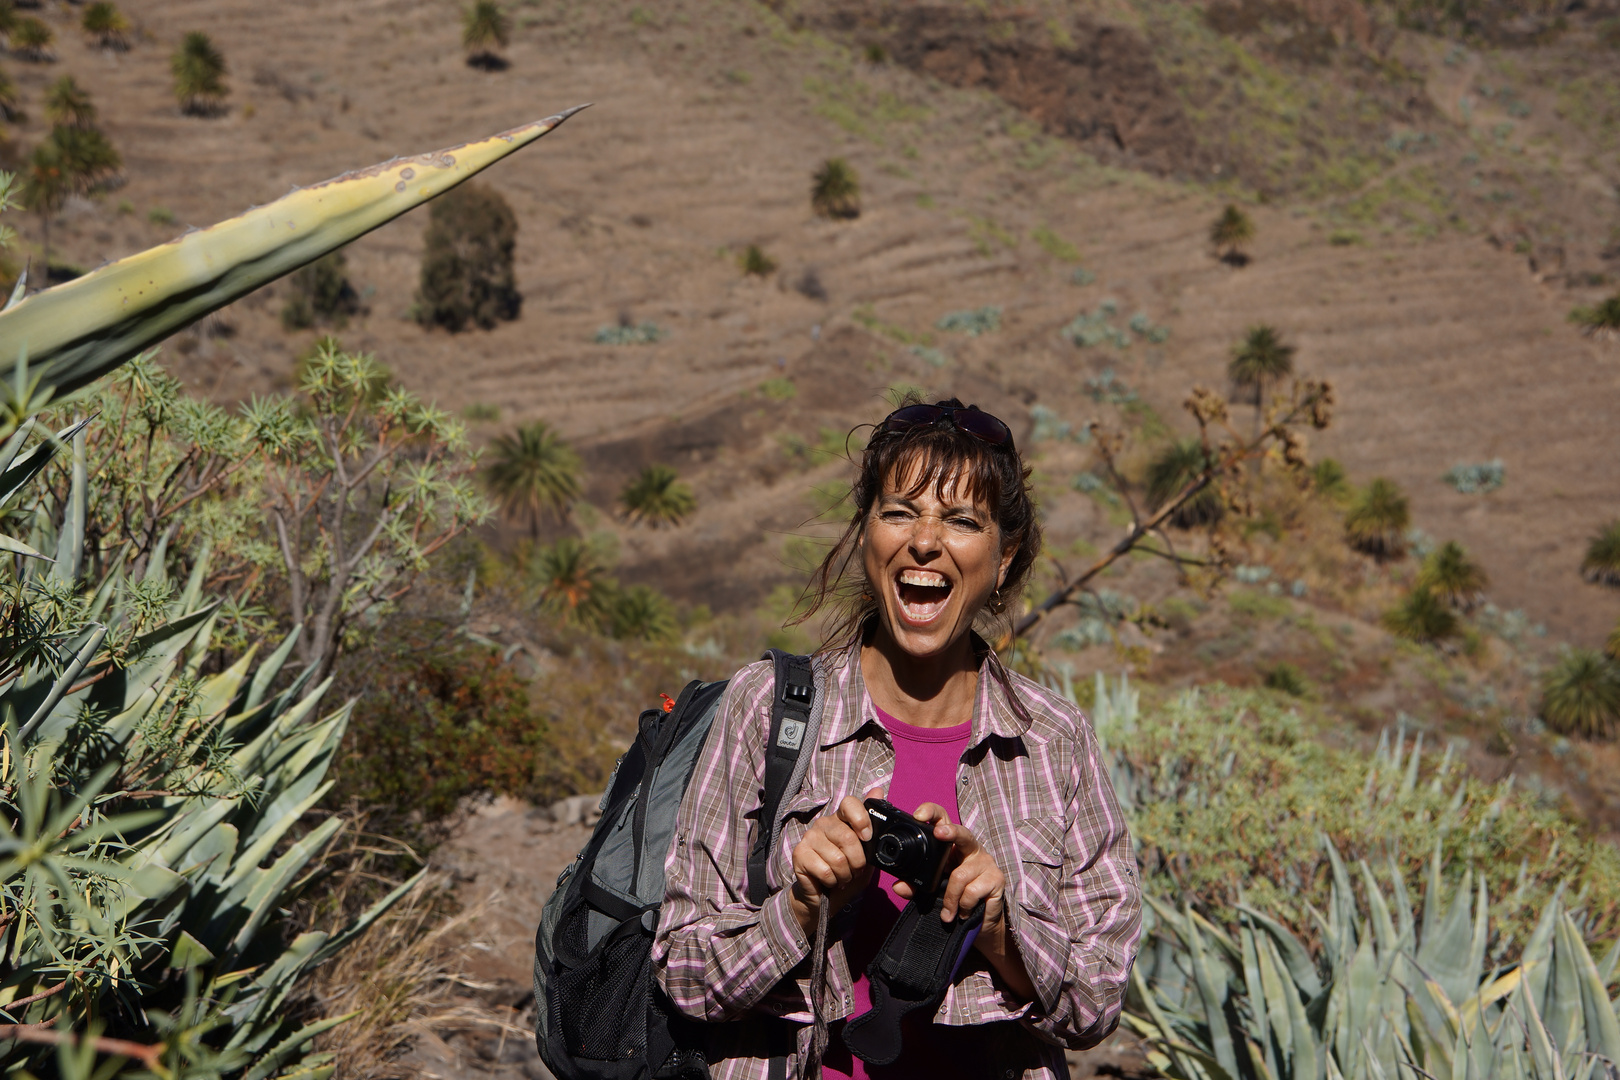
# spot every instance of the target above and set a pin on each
(67, 103)
(1453, 577)
(835, 190)
(1229, 233)
(1581, 695)
(199, 75)
(485, 28)
(106, 26)
(534, 470)
(1601, 566)
(1376, 522)
(657, 496)
(1176, 466)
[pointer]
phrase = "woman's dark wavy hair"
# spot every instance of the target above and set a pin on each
(939, 455)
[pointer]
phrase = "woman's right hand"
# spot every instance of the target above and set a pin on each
(830, 860)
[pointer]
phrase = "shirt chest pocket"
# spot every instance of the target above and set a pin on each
(795, 818)
(1040, 865)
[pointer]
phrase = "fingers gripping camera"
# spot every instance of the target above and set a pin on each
(904, 847)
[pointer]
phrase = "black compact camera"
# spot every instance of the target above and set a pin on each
(904, 846)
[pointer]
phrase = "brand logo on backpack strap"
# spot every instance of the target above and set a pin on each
(792, 734)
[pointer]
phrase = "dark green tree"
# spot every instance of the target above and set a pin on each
(467, 266)
(320, 293)
(572, 583)
(533, 470)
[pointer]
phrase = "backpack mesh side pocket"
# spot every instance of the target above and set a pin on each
(597, 998)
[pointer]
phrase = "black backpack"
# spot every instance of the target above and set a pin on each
(600, 1012)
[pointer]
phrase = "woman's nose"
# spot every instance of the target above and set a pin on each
(925, 534)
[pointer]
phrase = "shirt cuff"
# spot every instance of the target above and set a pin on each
(783, 934)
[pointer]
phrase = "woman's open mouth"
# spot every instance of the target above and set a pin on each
(923, 594)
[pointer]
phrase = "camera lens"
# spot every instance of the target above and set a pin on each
(889, 849)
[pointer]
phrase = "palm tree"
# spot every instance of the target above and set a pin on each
(1229, 233)
(1452, 576)
(105, 25)
(1611, 647)
(657, 497)
(534, 469)
(67, 103)
(484, 28)
(835, 190)
(199, 75)
(31, 39)
(86, 156)
(1176, 466)
(1376, 522)
(571, 582)
(1601, 566)
(1261, 357)
(1600, 320)
(1421, 616)
(1581, 695)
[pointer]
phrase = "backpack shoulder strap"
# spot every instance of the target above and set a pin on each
(790, 736)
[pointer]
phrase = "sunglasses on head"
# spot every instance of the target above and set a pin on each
(969, 419)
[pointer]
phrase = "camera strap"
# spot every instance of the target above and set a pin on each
(915, 967)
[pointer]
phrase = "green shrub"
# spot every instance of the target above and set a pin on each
(467, 261)
(320, 293)
(571, 582)
(1230, 233)
(106, 26)
(1232, 790)
(657, 497)
(485, 28)
(1377, 519)
(1580, 695)
(198, 68)
(1169, 473)
(1479, 479)
(779, 389)
(1423, 617)
(1453, 577)
(31, 39)
(972, 322)
(1601, 563)
(481, 412)
(755, 263)
(643, 613)
(1288, 679)
(1602, 318)
(440, 719)
(625, 333)
(1330, 481)
(835, 190)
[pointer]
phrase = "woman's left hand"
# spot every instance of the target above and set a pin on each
(974, 876)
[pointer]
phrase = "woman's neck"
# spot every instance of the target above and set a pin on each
(928, 692)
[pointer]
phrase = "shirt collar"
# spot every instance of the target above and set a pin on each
(993, 713)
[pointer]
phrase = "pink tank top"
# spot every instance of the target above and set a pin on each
(925, 765)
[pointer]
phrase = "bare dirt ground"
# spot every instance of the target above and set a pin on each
(708, 121)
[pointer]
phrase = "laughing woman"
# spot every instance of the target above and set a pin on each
(913, 707)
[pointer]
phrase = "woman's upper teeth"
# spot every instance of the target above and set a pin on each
(922, 577)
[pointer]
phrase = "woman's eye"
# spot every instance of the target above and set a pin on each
(963, 524)
(896, 516)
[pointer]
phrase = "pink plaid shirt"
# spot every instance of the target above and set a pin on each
(1033, 790)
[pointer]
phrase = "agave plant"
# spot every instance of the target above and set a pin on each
(151, 818)
(1389, 994)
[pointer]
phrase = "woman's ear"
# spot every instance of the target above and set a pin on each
(1008, 553)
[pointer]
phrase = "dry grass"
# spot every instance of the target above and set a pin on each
(403, 981)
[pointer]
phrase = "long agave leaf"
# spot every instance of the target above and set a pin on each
(363, 922)
(1301, 968)
(1258, 1021)
(70, 542)
(1563, 1013)
(265, 895)
(1212, 988)
(266, 675)
(63, 682)
(76, 332)
(289, 1047)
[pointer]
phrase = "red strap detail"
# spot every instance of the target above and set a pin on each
(669, 702)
